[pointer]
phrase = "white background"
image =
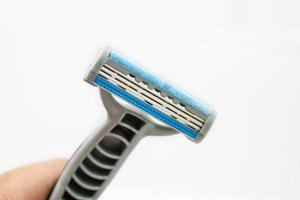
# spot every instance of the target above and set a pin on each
(242, 57)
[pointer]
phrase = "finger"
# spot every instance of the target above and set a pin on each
(32, 182)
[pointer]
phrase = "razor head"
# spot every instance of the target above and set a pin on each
(145, 91)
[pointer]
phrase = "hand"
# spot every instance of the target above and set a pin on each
(32, 182)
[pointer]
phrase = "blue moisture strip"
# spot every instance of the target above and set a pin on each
(146, 107)
(153, 80)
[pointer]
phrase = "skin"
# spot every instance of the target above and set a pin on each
(31, 182)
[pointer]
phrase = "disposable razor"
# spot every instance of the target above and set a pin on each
(138, 104)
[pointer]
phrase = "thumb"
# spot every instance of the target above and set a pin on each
(32, 182)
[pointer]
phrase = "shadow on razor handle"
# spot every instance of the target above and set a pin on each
(96, 162)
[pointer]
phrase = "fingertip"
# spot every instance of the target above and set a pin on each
(33, 181)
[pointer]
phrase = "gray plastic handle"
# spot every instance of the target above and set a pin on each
(100, 156)
(97, 161)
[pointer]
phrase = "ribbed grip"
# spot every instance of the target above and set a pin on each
(97, 160)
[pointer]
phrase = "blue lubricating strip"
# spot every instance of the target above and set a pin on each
(164, 86)
(145, 107)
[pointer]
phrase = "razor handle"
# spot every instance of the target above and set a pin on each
(96, 162)
(100, 156)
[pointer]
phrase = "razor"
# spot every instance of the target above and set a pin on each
(138, 104)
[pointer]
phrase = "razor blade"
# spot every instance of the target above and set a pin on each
(138, 104)
(131, 82)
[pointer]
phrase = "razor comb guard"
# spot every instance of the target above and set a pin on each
(100, 156)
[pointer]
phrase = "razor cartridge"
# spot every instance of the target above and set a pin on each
(138, 104)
